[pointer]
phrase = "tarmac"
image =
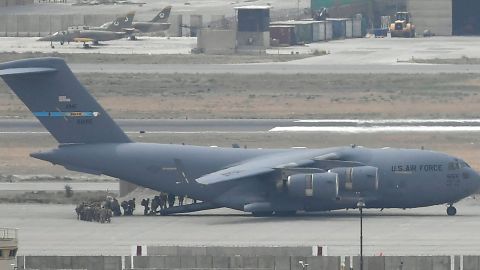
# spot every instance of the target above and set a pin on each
(54, 230)
(344, 56)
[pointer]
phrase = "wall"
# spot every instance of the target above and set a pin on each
(41, 25)
(232, 262)
(229, 251)
(278, 262)
(435, 15)
(70, 262)
(216, 41)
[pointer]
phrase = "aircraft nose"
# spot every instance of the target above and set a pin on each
(46, 38)
(476, 179)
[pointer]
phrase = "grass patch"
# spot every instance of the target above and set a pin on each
(57, 197)
(464, 60)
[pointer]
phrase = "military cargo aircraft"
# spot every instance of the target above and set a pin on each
(260, 181)
(157, 24)
(117, 29)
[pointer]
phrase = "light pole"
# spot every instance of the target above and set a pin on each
(360, 206)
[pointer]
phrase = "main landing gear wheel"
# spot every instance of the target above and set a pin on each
(285, 213)
(451, 211)
(262, 213)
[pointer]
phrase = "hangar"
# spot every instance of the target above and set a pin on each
(442, 17)
(446, 17)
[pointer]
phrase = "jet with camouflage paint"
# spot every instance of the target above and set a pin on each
(117, 29)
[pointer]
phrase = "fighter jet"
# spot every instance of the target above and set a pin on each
(157, 24)
(117, 29)
(263, 182)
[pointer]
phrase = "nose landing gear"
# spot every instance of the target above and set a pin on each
(451, 210)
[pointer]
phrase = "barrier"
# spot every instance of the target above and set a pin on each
(247, 262)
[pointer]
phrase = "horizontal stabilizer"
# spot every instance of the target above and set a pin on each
(24, 71)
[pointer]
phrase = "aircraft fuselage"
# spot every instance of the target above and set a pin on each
(407, 178)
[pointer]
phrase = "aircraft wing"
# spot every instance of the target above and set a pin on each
(276, 163)
(256, 167)
(83, 40)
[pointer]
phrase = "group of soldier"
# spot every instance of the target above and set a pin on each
(160, 202)
(94, 211)
(103, 211)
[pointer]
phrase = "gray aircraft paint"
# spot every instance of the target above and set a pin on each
(157, 24)
(117, 29)
(253, 180)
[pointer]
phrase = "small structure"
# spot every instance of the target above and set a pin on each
(306, 31)
(253, 33)
(282, 35)
(215, 41)
(8, 248)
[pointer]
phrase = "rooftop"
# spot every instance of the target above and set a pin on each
(8, 233)
(253, 7)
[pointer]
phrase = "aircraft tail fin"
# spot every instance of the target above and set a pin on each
(162, 16)
(122, 22)
(53, 94)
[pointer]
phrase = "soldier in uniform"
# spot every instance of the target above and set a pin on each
(131, 206)
(124, 205)
(80, 210)
(145, 203)
(181, 198)
(155, 204)
(171, 200)
(163, 200)
(116, 208)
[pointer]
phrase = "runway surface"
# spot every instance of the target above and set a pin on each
(54, 230)
(32, 126)
(275, 68)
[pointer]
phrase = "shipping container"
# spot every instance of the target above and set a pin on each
(284, 34)
(328, 30)
(357, 28)
(303, 30)
(339, 27)
(320, 31)
(348, 28)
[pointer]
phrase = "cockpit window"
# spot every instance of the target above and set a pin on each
(457, 164)
(463, 164)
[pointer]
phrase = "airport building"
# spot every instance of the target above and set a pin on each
(441, 17)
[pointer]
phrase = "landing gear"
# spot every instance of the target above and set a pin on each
(451, 210)
(262, 213)
(285, 213)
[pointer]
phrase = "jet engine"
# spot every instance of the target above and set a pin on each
(357, 179)
(317, 185)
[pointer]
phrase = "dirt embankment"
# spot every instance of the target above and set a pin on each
(166, 59)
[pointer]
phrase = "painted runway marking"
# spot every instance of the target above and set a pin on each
(377, 129)
(391, 121)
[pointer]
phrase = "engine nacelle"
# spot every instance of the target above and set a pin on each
(318, 185)
(357, 179)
